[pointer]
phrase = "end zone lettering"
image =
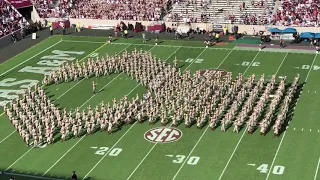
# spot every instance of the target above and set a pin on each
(163, 135)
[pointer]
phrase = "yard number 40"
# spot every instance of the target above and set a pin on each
(276, 169)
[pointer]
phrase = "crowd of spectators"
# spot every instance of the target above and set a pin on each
(141, 10)
(46, 8)
(291, 12)
(10, 19)
(297, 12)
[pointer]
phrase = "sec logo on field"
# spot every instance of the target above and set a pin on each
(163, 135)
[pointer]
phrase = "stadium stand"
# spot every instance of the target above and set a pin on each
(255, 12)
(298, 12)
(119, 9)
(11, 20)
(49, 8)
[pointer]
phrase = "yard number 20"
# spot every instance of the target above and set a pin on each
(193, 160)
(248, 63)
(104, 150)
(276, 169)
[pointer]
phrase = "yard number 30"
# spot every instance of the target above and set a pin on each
(193, 160)
(276, 169)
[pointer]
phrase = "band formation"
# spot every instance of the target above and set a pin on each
(173, 97)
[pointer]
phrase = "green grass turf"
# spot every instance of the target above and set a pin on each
(223, 155)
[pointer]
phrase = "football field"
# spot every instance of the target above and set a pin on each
(200, 154)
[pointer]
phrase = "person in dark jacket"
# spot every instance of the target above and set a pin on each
(74, 176)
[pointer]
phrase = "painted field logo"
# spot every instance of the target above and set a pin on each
(163, 135)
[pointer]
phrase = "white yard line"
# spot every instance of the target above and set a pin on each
(242, 135)
(195, 59)
(315, 175)
(19, 159)
(236, 147)
(234, 150)
(314, 60)
(60, 97)
(81, 107)
(255, 57)
(128, 129)
(275, 156)
(282, 62)
(284, 134)
(108, 151)
(30, 58)
(69, 88)
(63, 156)
(7, 136)
(194, 147)
(171, 124)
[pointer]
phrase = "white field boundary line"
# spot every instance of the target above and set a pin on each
(31, 176)
(65, 91)
(315, 176)
(38, 44)
(171, 124)
(173, 46)
(194, 147)
(236, 147)
(284, 134)
(55, 100)
(127, 130)
(30, 58)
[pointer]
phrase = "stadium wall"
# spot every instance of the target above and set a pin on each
(207, 26)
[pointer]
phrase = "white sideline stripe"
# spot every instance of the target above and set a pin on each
(315, 176)
(31, 176)
(194, 147)
(127, 130)
(284, 134)
(115, 43)
(53, 101)
(30, 58)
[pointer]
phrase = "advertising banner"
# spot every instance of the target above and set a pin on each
(102, 26)
(20, 3)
